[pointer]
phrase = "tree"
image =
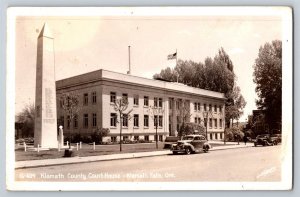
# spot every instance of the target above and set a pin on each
(98, 134)
(26, 118)
(155, 113)
(184, 111)
(268, 78)
(235, 104)
(214, 74)
(70, 105)
(192, 128)
(120, 106)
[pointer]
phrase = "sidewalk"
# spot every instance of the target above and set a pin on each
(73, 160)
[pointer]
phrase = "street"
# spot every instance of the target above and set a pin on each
(244, 164)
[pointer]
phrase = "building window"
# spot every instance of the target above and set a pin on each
(199, 120)
(160, 138)
(146, 101)
(68, 122)
(125, 97)
(205, 107)
(112, 97)
(216, 123)
(196, 120)
(199, 106)
(146, 137)
(136, 120)
(195, 106)
(160, 121)
(220, 108)
(136, 100)
(125, 120)
(76, 121)
(170, 103)
(113, 139)
(209, 107)
(155, 121)
(177, 104)
(146, 121)
(155, 101)
(221, 124)
(136, 138)
(210, 123)
(205, 121)
(216, 136)
(113, 120)
(94, 120)
(125, 138)
(221, 135)
(160, 101)
(211, 136)
(94, 97)
(86, 99)
(85, 120)
(215, 108)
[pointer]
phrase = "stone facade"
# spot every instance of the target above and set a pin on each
(97, 91)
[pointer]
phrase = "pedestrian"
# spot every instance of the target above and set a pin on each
(245, 139)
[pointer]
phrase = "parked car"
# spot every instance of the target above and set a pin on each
(265, 140)
(191, 144)
(169, 141)
(276, 137)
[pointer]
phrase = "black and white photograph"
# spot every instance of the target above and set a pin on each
(149, 98)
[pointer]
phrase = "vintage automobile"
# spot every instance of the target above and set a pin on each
(265, 140)
(276, 137)
(191, 144)
(169, 141)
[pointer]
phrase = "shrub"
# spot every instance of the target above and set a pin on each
(233, 134)
(191, 128)
(98, 134)
(77, 138)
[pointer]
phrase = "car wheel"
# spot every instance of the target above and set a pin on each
(187, 151)
(205, 149)
(175, 153)
(255, 144)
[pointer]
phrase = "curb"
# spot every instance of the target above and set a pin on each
(77, 160)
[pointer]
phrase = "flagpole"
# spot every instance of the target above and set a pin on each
(176, 65)
(176, 57)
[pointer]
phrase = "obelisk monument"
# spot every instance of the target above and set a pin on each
(45, 131)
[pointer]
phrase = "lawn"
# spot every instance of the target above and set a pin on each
(87, 150)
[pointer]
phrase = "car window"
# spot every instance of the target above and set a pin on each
(197, 138)
(202, 138)
(188, 138)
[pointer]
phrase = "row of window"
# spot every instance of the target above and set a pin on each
(85, 123)
(199, 121)
(197, 107)
(158, 120)
(158, 102)
(137, 137)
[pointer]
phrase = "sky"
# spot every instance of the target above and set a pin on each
(84, 44)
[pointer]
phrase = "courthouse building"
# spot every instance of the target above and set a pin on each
(98, 90)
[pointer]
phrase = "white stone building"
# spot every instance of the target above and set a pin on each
(97, 91)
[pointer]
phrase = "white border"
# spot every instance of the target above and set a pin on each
(284, 12)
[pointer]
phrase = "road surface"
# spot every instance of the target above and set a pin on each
(244, 164)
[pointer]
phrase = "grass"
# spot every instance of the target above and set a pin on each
(87, 150)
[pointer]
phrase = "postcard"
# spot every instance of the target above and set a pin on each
(149, 98)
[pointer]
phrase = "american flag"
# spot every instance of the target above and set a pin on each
(172, 56)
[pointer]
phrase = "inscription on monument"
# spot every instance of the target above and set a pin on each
(49, 100)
